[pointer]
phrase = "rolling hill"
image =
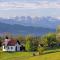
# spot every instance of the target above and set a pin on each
(24, 30)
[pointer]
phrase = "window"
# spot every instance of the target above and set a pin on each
(8, 47)
(11, 47)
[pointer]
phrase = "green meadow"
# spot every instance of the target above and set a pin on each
(52, 56)
(47, 55)
(15, 55)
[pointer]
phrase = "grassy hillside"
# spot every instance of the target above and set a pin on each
(48, 55)
(15, 55)
(51, 56)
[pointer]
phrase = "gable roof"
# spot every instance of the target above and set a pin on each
(12, 43)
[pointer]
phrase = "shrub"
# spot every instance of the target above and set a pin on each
(41, 50)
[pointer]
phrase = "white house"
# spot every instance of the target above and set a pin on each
(12, 45)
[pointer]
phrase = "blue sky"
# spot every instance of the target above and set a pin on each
(12, 8)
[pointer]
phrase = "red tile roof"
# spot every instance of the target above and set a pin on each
(12, 43)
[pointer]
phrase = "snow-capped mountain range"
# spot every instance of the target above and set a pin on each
(46, 22)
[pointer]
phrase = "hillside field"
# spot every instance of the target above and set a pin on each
(15, 55)
(52, 56)
(49, 55)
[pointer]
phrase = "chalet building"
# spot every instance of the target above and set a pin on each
(12, 45)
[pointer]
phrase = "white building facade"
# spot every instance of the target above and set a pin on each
(11, 45)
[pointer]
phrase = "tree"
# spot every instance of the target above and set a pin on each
(43, 41)
(28, 43)
(34, 43)
(40, 49)
(21, 38)
(1, 41)
(58, 35)
(51, 37)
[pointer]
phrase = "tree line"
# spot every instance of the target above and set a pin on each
(38, 43)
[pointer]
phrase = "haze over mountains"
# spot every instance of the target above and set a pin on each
(29, 25)
(46, 22)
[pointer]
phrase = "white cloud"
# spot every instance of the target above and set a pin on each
(45, 4)
(58, 17)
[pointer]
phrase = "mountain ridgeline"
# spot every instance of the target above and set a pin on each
(24, 30)
(27, 25)
(46, 22)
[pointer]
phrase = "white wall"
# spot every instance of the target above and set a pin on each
(18, 47)
(11, 49)
(6, 48)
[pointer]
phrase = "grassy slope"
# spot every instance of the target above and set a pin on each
(51, 56)
(15, 55)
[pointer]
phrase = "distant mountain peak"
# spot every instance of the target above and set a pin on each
(47, 22)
